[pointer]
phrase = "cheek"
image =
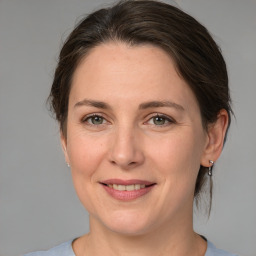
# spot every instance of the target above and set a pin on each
(178, 162)
(85, 154)
(178, 156)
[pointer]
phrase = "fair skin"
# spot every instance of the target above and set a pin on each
(133, 119)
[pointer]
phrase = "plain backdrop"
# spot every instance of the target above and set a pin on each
(38, 205)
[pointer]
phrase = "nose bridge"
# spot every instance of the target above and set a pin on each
(126, 151)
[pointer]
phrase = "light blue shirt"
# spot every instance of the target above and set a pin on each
(65, 249)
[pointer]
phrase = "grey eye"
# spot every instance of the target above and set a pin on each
(95, 120)
(158, 120)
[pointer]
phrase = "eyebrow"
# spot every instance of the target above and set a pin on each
(92, 103)
(161, 104)
(145, 105)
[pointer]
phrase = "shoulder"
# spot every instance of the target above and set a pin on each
(213, 251)
(64, 249)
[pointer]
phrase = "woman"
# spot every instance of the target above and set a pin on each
(141, 95)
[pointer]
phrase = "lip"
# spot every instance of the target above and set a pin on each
(127, 195)
(127, 182)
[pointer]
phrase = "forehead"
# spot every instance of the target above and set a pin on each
(117, 70)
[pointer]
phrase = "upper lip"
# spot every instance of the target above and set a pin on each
(127, 182)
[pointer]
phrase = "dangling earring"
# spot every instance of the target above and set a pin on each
(210, 168)
(68, 165)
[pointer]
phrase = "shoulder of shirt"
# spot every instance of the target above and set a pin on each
(64, 249)
(213, 251)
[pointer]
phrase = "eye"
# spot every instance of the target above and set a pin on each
(160, 120)
(94, 120)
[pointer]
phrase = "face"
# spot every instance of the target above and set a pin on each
(134, 140)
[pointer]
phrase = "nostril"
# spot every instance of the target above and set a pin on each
(132, 163)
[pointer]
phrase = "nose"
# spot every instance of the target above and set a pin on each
(126, 151)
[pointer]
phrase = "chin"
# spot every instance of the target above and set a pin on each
(128, 230)
(128, 223)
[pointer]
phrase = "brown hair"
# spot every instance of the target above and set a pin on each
(197, 57)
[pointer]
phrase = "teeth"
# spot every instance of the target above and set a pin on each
(126, 187)
(130, 187)
(137, 186)
(121, 187)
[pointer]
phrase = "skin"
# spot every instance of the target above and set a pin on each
(127, 140)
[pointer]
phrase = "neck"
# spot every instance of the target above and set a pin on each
(173, 239)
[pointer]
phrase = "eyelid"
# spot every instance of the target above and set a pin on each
(88, 116)
(167, 117)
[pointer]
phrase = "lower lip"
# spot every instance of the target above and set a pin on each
(127, 195)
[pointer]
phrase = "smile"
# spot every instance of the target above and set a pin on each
(126, 187)
(127, 190)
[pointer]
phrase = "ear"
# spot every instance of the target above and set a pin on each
(215, 139)
(63, 141)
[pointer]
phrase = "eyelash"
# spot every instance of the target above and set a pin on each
(104, 121)
(90, 117)
(164, 117)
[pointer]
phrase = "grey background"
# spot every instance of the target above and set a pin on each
(38, 205)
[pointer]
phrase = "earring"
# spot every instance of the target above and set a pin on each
(210, 168)
(68, 165)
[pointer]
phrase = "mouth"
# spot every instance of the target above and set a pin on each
(126, 190)
(131, 187)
